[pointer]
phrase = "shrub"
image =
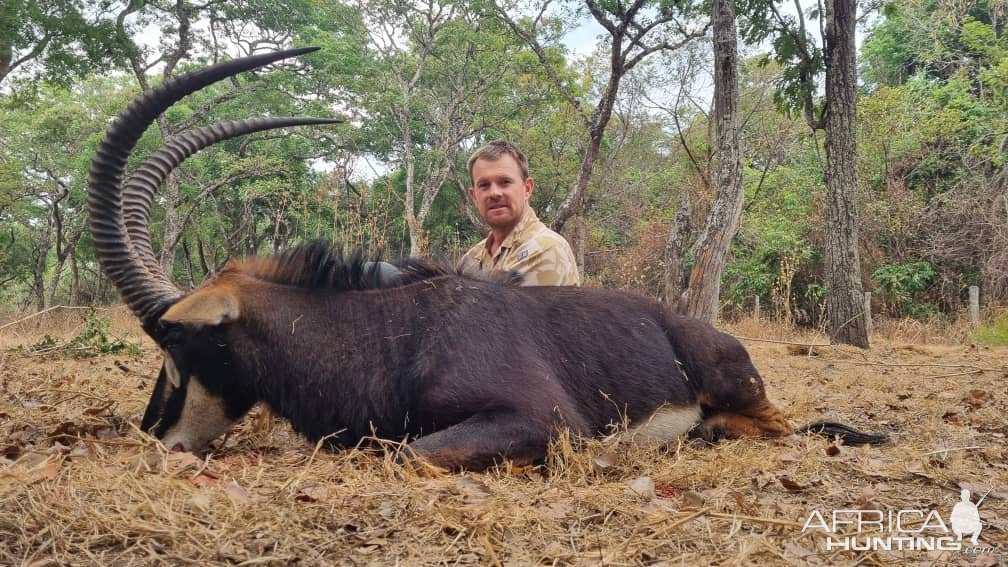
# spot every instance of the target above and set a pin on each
(995, 334)
(93, 340)
(902, 283)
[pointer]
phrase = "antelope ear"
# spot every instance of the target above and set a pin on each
(211, 306)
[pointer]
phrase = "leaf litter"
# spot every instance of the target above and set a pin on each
(73, 463)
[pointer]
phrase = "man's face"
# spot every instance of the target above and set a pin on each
(500, 193)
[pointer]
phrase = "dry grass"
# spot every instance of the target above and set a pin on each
(80, 485)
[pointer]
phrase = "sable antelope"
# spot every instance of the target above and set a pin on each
(470, 369)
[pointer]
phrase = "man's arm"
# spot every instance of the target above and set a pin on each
(547, 260)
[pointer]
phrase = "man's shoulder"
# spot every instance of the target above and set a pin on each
(546, 239)
(476, 251)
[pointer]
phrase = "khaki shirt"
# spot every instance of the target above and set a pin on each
(541, 255)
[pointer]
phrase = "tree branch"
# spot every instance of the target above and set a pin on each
(537, 48)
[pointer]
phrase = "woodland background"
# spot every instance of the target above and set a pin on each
(422, 84)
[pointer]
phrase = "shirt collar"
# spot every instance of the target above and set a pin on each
(527, 222)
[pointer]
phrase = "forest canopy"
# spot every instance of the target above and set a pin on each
(420, 85)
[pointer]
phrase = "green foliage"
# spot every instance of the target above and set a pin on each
(995, 334)
(792, 48)
(932, 123)
(94, 340)
(903, 284)
(64, 39)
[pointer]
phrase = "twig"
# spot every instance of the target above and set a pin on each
(755, 519)
(203, 467)
(957, 449)
(679, 522)
(692, 516)
(44, 311)
(897, 365)
(304, 470)
(781, 342)
(967, 373)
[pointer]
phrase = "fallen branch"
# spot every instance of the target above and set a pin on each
(967, 373)
(957, 449)
(810, 345)
(758, 519)
(44, 311)
(971, 369)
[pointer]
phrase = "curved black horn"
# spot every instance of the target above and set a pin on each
(143, 183)
(145, 295)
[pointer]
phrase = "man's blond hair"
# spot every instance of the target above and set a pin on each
(496, 149)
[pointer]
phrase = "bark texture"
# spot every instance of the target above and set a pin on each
(674, 248)
(846, 322)
(701, 298)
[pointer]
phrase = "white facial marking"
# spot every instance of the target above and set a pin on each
(174, 378)
(203, 419)
(666, 424)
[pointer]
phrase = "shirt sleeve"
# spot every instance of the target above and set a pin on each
(549, 261)
(470, 261)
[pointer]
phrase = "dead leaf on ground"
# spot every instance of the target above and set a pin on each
(11, 452)
(47, 471)
(200, 500)
(693, 499)
(178, 461)
(26, 435)
(64, 431)
(80, 450)
(604, 461)
(832, 450)
(874, 467)
(558, 511)
(799, 551)
(791, 457)
(978, 399)
(372, 545)
(105, 433)
(918, 471)
(644, 487)
(100, 409)
(667, 490)
(556, 550)
(312, 492)
(204, 480)
(868, 499)
(742, 504)
(387, 509)
(237, 493)
(791, 485)
(472, 490)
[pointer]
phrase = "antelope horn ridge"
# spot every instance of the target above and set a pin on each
(143, 183)
(144, 288)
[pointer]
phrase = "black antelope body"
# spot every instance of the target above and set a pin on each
(470, 369)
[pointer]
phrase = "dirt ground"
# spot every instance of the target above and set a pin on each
(80, 485)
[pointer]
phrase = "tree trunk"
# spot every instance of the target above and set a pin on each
(582, 242)
(701, 297)
(45, 243)
(172, 223)
(6, 58)
(844, 299)
(65, 248)
(574, 202)
(75, 297)
(674, 247)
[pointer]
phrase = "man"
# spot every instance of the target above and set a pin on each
(965, 517)
(501, 188)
